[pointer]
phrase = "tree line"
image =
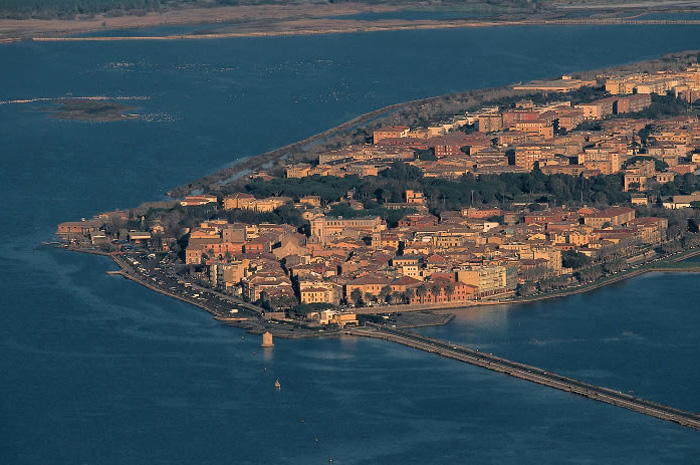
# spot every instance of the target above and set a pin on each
(445, 194)
(373, 192)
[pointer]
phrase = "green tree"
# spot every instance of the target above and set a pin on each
(384, 293)
(575, 260)
(525, 289)
(615, 265)
(589, 274)
(356, 296)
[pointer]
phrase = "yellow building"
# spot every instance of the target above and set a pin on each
(237, 200)
(414, 197)
(327, 228)
(342, 319)
(320, 292)
(412, 271)
(488, 280)
(298, 171)
(614, 216)
(311, 200)
(490, 122)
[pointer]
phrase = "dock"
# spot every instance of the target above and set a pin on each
(529, 373)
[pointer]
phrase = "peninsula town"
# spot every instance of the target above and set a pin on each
(560, 184)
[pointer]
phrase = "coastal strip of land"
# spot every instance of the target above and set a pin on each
(245, 165)
(270, 20)
(396, 114)
(670, 264)
(253, 317)
(348, 27)
(255, 17)
(95, 98)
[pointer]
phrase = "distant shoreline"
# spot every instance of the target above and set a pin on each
(295, 20)
(369, 26)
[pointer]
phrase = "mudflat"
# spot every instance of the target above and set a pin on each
(259, 17)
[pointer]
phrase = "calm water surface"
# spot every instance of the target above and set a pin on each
(97, 370)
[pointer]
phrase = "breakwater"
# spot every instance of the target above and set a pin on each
(530, 373)
(242, 166)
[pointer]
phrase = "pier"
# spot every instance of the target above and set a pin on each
(530, 373)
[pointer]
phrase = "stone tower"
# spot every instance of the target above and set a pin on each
(267, 339)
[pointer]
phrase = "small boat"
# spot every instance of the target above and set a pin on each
(277, 384)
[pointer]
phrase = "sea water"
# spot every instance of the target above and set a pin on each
(98, 370)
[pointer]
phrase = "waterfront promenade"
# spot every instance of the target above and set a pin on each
(670, 263)
(529, 373)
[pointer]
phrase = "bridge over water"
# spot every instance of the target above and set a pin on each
(529, 373)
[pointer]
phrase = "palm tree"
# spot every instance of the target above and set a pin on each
(435, 290)
(449, 291)
(421, 292)
(408, 295)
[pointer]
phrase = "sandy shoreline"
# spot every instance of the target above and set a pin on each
(257, 17)
(288, 20)
(322, 27)
(349, 27)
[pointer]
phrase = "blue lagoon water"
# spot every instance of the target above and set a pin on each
(678, 16)
(98, 370)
